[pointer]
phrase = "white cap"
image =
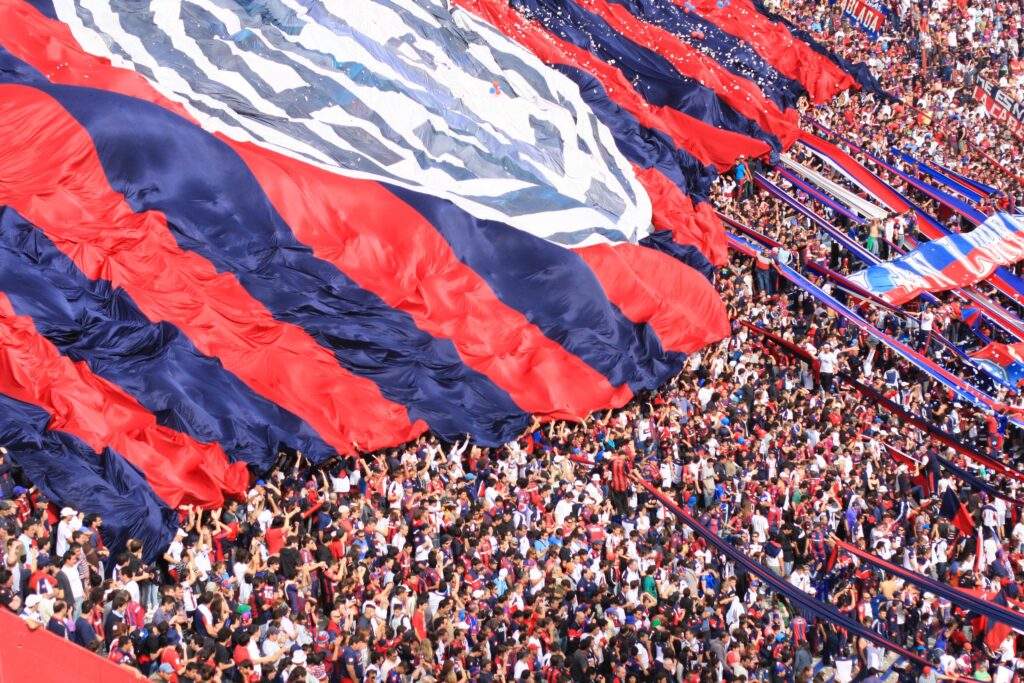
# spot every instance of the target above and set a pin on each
(67, 512)
(299, 657)
(32, 600)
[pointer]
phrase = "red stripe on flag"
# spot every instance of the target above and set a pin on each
(385, 246)
(789, 56)
(645, 284)
(863, 176)
(741, 94)
(698, 225)
(53, 177)
(180, 469)
(708, 144)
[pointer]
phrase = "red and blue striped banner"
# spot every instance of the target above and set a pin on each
(951, 262)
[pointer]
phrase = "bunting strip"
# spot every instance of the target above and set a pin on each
(782, 587)
(897, 410)
(960, 598)
(819, 196)
(862, 206)
(960, 188)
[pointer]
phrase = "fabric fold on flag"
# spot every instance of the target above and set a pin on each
(179, 469)
(92, 322)
(676, 182)
(701, 138)
(743, 95)
(69, 472)
(673, 318)
(651, 74)
(734, 52)
(817, 74)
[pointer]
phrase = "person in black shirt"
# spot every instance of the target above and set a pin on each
(579, 665)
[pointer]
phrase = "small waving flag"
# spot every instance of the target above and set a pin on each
(955, 511)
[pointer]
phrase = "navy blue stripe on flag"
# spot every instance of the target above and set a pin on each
(652, 75)
(91, 321)
(45, 7)
(216, 208)
(645, 147)
(729, 51)
(555, 290)
(69, 472)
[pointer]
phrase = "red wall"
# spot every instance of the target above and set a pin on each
(41, 657)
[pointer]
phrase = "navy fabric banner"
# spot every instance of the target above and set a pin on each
(71, 473)
(780, 586)
(959, 187)
(650, 73)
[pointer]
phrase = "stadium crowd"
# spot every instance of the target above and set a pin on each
(546, 560)
(931, 56)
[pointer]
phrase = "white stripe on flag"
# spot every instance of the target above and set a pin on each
(413, 112)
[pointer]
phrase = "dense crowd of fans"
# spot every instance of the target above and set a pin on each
(545, 560)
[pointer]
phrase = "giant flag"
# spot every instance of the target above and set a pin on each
(190, 281)
(228, 227)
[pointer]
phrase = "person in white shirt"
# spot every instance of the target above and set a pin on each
(132, 586)
(927, 323)
(175, 549)
(69, 572)
(70, 522)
